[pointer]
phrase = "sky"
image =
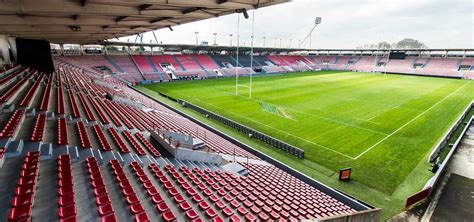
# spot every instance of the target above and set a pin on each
(345, 24)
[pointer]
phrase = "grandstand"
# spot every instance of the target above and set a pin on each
(81, 141)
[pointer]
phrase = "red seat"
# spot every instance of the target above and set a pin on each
(274, 215)
(157, 199)
(191, 214)
(242, 210)
(69, 219)
(178, 198)
(227, 212)
(191, 192)
(197, 198)
(213, 198)
(106, 209)
(66, 200)
(98, 183)
(220, 204)
(147, 185)
(263, 216)
(27, 189)
(142, 217)
(217, 219)
(234, 218)
(124, 184)
(100, 191)
(67, 211)
(108, 218)
(101, 200)
(162, 207)
(131, 199)
(203, 205)
(152, 192)
(173, 192)
(22, 200)
(128, 191)
(23, 181)
(210, 213)
(184, 206)
(168, 216)
(20, 213)
(136, 208)
(255, 209)
(250, 218)
(65, 182)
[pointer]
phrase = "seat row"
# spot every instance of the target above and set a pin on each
(31, 92)
(134, 204)
(22, 202)
(134, 143)
(89, 115)
(45, 99)
(148, 145)
(38, 129)
(62, 132)
(109, 113)
(13, 89)
(12, 125)
(2, 152)
(118, 141)
(83, 136)
(104, 144)
(66, 204)
(102, 199)
(102, 117)
(75, 109)
(60, 99)
(12, 76)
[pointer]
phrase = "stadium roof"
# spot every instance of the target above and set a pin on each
(89, 21)
(219, 48)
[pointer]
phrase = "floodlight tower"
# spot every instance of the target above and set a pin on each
(317, 21)
(197, 33)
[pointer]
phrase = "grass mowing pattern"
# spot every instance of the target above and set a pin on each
(383, 126)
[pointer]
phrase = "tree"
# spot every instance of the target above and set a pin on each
(384, 45)
(402, 44)
(410, 44)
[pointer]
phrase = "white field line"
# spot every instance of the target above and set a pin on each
(289, 134)
(415, 118)
(368, 120)
(317, 116)
(324, 147)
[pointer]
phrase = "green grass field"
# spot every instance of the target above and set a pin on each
(383, 126)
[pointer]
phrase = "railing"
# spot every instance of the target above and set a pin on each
(247, 130)
(441, 144)
(440, 168)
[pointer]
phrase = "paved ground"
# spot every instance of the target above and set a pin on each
(456, 202)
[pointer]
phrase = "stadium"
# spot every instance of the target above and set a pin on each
(101, 121)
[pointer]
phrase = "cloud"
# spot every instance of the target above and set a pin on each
(346, 24)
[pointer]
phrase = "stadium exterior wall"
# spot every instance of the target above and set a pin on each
(339, 195)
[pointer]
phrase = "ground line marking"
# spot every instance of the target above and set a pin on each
(415, 118)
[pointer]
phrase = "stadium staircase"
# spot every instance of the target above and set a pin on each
(112, 62)
(202, 67)
(155, 69)
(179, 63)
(235, 61)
